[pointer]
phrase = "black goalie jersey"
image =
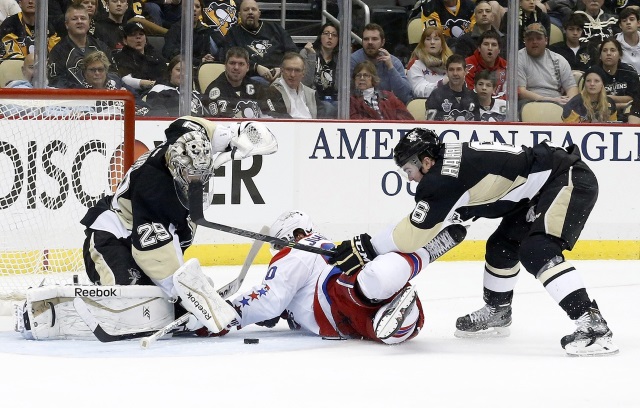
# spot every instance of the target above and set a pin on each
(146, 210)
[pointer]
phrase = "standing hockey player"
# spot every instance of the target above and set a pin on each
(375, 302)
(544, 196)
(138, 235)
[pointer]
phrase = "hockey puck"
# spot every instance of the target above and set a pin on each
(251, 341)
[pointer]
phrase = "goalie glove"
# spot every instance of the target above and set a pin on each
(353, 254)
(253, 139)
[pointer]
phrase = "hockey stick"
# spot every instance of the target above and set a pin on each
(88, 318)
(233, 286)
(225, 291)
(197, 216)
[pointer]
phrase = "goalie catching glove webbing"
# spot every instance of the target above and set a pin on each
(253, 139)
(353, 254)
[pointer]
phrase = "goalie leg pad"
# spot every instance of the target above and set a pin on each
(200, 298)
(49, 312)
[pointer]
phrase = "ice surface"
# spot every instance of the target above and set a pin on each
(294, 369)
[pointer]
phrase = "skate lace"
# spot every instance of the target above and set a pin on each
(439, 245)
(482, 315)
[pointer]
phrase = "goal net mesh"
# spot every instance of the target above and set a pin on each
(57, 158)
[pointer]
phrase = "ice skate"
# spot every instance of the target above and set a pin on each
(445, 240)
(592, 337)
(488, 321)
(393, 317)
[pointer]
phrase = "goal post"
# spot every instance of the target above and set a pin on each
(61, 150)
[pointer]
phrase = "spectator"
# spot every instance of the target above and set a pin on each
(55, 15)
(389, 68)
(95, 71)
(139, 65)
(578, 54)
(18, 34)
(634, 113)
(300, 100)
(221, 15)
(426, 69)
(367, 102)
(592, 104)
(164, 98)
(454, 17)
(27, 74)
(620, 80)
(164, 13)
(490, 109)
(109, 27)
(453, 101)
(266, 41)
(543, 75)
(8, 8)
(64, 58)
(487, 56)
(629, 38)
(599, 24)
(92, 9)
(233, 95)
(468, 43)
(207, 42)
(528, 13)
(559, 11)
(320, 73)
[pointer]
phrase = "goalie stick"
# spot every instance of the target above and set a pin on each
(225, 291)
(88, 318)
(197, 216)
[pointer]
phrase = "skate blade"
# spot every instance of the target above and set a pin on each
(490, 333)
(602, 347)
(390, 323)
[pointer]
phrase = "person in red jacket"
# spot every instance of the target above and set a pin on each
(487, 56)
(367, 102)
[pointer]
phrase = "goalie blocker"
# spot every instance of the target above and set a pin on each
(49, 312)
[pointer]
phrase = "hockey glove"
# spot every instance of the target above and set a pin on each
(354, 254)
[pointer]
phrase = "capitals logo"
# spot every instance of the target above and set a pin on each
(220, 15)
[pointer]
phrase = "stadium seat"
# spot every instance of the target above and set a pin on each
(10, 70)
(579, 77)
(417, 108)
(541, 112)
(414, 31)
(556, 35)
(207, 73)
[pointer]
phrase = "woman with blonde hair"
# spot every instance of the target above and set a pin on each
(591, 105)
(426, 69)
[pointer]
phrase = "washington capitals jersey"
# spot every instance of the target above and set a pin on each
(266, 46)
(146, 210)
(478, 180)
(289, 287)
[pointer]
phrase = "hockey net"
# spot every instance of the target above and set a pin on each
(60, 152)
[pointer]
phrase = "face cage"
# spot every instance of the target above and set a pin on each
(182, 189)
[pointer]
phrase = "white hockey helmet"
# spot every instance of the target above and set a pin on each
(287, 223)
(188, 158)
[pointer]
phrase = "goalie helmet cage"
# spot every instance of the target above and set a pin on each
(60, 152)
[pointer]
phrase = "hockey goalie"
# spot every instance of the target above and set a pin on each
(136, 238)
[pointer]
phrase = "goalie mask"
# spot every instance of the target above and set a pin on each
(287, 223)
(189, 158)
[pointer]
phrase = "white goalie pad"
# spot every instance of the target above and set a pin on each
(253, 139)
(49, 313)
(201, 299)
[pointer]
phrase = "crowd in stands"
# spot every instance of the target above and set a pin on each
(457, 69)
